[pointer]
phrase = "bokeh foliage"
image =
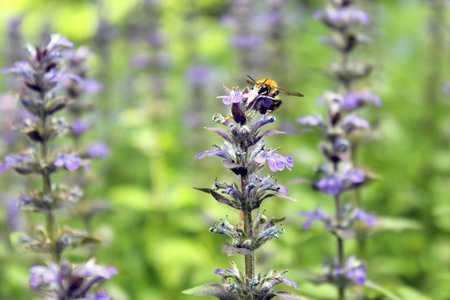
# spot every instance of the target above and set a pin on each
(157, 234)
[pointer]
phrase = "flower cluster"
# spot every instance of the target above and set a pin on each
(66, 281)
(340, 130)
(234, 286)
(244, 153)
(41, 73)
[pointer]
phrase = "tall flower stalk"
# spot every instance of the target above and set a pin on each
(41, 72)
(244, 153)
(341, 130)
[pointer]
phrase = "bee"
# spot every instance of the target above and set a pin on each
(268, 88)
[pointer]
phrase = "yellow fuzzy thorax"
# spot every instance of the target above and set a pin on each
(267, 82)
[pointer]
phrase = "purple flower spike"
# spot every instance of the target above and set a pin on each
(318, 215)
(70, 161)
(41, 276)
(331, 185)
(98, 150)
(311, 120)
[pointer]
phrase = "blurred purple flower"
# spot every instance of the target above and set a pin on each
(354, 100)
(79, 127)
(198, 74)
(69, 160)
(13, 160)
(92, 86)
(141, 60)
(331, 185)
(356, 270)
(248, 42)
(57, 40)
(343, 17)
(99, 150)
(357, 175)
(100, 295)
(67, 281)
(156, 38)
(311, 120)
(359, 214)
(318, 215)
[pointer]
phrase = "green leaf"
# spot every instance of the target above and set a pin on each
(398, 224)
(209, 289)
(382, 290)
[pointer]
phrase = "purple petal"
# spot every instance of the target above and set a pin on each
(311, 120)
(290, 282)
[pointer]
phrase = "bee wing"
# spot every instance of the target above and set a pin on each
(289, 92)
(251, 81)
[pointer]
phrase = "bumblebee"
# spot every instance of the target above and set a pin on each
(268, 89)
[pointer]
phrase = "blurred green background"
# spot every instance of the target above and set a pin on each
(163, 63)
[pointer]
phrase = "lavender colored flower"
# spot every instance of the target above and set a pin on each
(233, 96)
(98, 150)
(318, 215)
(356, 99)
(248, 42)
(68, 160)
(356, 271)
(227, 152)
(79, 127)
(359, 214)
(357, 175)
(331, 185)
(14, 160)
(69, 281)
(311, 120)
(92, 86)
(277, 162)
(342, 17)
(198, 74)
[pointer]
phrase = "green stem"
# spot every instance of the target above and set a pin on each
(47, 187)
(248, 229)
(340, 246)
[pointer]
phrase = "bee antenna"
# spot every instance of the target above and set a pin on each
(251, 78)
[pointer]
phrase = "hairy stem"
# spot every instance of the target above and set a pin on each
(47, 186)
(248, 229)
(340, 246)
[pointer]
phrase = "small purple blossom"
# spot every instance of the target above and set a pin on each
(232, 96)
(98, 150)
(277, 162)
(311, 120)
(92, 86)
(227, 152)
(266, 119)
(318, 215)
(68, 160)
(361, 215)
(343, 17)
(356, 99)
(67, 281)
(331, 185)
(79, 127)
(14, 160)
(356, 271)
(57, 40)
(357, 175)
